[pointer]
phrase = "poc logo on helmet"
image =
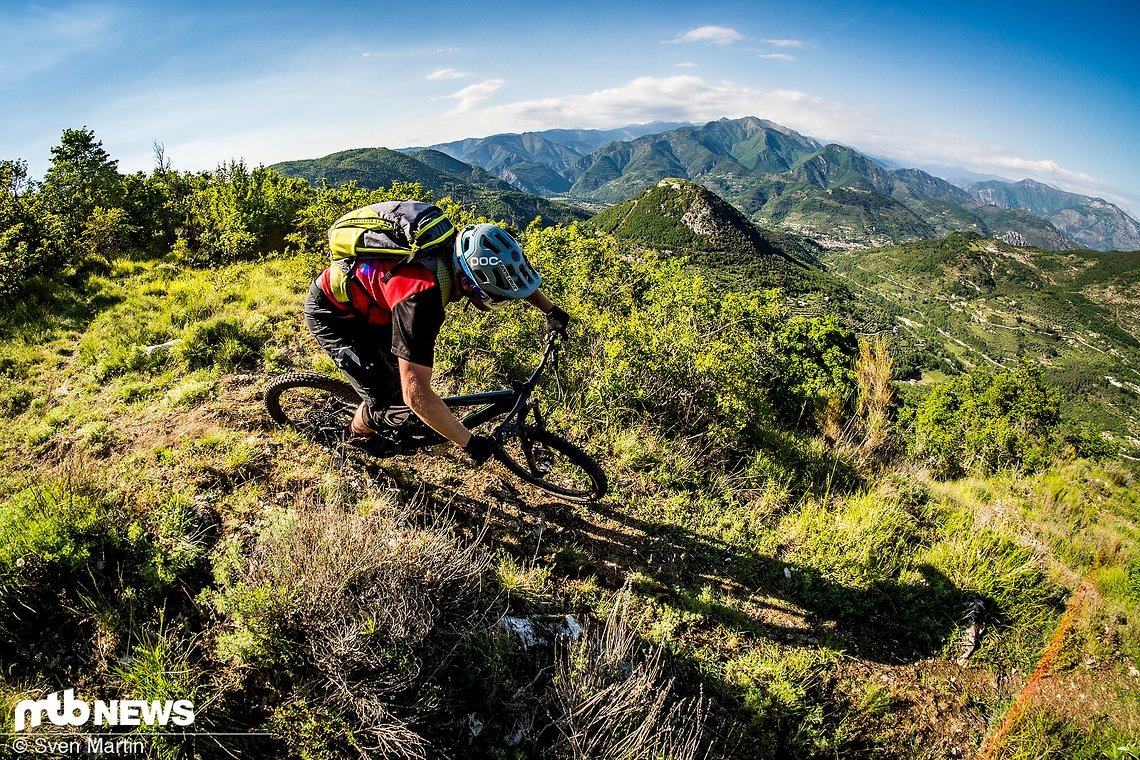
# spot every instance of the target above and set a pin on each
(486, 261)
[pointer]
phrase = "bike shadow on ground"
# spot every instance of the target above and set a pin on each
(889, 621)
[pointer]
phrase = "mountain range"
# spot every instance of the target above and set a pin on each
(776, 176)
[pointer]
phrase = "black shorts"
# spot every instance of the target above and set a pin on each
(362, 351)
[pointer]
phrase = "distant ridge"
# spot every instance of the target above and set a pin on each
(543, 162)
(1091, 222)
(379, 167)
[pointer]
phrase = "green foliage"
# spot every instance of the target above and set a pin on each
(23, 248)
(81, 178)
(68, 554)
(15, 397)
(776, 681)
(814, 358)
(989, 422)
(223, 341)
(313, 732)
(234, 213)
(107, 233)
(1090, 442)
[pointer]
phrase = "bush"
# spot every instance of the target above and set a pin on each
(611, 699)
(24, 225)
(14, 397)
(983, 422)
(223, 341)
(813, 359)
(233, 213)
(655, 345)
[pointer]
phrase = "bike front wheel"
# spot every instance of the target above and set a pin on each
(555, 465)
(318, 406)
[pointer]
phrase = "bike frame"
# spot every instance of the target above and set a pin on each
(414, 434)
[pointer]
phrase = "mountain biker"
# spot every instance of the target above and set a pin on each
(379, 318)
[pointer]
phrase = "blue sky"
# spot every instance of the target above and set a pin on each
(1013, 89)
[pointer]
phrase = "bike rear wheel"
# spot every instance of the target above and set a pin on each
(555, 465)
(318, 406)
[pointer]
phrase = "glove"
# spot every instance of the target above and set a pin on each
(481, 448)
(556, 321)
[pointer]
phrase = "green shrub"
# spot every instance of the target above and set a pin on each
(70, 559)
(1091, 442)
(814, 359)
(233, 213)
(190, 392)
(988, 423)
(14, 397)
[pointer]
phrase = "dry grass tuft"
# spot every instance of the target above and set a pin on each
(614, 702)
(873, 370)
(358, 602)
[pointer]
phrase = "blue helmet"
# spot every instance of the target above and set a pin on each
(495, 264)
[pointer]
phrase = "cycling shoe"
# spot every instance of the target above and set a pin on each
(373, 445)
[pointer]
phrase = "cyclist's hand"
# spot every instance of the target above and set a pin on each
(556, 321)
(481, 448)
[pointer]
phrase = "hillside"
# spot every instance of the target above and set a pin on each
(1091, 222)
(812, 605)
(975, 302)
(797, 556)
(682, 218)
(372, 168)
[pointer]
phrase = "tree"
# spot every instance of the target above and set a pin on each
(813, 358)
(1006, 421)
(21, 233)
(82, 177)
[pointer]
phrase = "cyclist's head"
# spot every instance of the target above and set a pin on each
(494, 266)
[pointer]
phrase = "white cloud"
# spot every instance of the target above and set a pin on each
(447, 74)
(473, 94)
(777, 56)
(717, 35)
(685, 65)
(683, 97)
(783, 43)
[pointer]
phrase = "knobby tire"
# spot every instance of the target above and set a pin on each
(572, 474)
(317, 405)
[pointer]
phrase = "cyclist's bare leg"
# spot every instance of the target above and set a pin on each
(359, 425)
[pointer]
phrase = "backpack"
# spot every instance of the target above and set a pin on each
(409, 230)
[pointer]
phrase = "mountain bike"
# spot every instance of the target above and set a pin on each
(320, 407)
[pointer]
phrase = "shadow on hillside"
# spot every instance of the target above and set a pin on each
(889, 622)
